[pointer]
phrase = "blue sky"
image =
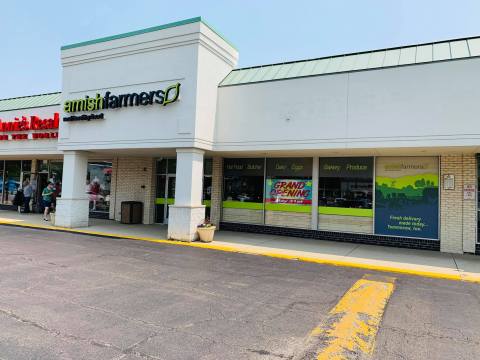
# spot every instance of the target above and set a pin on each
(264, 31)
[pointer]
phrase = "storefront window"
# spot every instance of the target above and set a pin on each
(56, 172)
(345, 184)
(289, 185)
(243, 182)
(345, 189)
(406, 196)
(288, 192)
(27, 166)
(2, 163)
(243, 190)
(98, 185)
(207, 186)
(12, 180)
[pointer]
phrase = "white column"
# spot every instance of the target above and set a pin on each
(315, 173)
(72, 207)
(187, 212)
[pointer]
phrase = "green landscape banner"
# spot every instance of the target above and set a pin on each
(406, 196)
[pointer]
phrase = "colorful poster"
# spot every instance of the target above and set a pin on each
(406, 196)
(289, 191)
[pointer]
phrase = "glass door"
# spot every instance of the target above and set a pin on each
(170, 200)
(160, 199)
(165, 195)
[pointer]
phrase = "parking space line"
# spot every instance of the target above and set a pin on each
(351, 327)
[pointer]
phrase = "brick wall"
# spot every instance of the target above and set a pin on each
(457, 216)
(216, 196)
(133, 180)
(352, 224)
(246, 216)
(288, 219)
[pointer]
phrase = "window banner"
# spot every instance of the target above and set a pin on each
(288, 191)
(406, 196)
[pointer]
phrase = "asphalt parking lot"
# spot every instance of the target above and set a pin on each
(68, 296)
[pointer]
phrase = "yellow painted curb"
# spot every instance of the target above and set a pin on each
(447, 275)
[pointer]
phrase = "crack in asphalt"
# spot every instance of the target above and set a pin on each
(429, 334)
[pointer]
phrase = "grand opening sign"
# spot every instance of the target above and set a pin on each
(30, 128)
(289, 191)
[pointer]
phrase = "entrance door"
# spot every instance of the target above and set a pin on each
(171, 180)
(165, 195)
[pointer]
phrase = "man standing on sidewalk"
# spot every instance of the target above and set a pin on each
(27, 196)
(47, 199)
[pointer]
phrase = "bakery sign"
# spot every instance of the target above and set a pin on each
(30, 128)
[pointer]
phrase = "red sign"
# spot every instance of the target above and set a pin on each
(34, 123)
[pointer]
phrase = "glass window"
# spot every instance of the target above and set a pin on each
(12, 175)
(161, 166)
(243, 182)
(98, 185)
(207, 166)
(27, 165)
(207, 186)
(172, 166)
(2, 163)
(288, 184)
(43, 166)
(406, 196)
(56, 172)
(345, 183)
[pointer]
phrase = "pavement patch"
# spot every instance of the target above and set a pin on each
(351, 327)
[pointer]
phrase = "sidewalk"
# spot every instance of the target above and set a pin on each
(406, 261)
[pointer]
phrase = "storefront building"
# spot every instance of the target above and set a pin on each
(378, 147)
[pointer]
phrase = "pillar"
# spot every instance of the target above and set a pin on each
(217, 185)
(187, 212)
(315, 175)
(458, 218)
(72, 207)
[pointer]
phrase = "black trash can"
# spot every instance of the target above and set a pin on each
(131, 212)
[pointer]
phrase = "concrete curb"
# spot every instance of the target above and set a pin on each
(324, 259)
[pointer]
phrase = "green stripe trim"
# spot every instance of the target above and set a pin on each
(331, 210)
(207, 203)
(161, 201)
(289, 208)
(232, 204)
(144, 31)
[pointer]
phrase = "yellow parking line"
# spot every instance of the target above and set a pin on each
(352, 325)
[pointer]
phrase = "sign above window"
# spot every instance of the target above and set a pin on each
(29, 128)
(346, 167)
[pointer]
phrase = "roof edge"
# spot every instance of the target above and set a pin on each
(27, 96)
(355, 53)
(145, 31)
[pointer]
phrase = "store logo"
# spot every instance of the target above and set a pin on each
(24, 124)
(109, 101)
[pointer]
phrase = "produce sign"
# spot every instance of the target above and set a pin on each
(288, 191)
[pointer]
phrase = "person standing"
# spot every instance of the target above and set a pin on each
(47, 194)
(27, 196)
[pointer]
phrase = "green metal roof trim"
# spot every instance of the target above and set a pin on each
(144, 31)
(376, 59)
(28, 102)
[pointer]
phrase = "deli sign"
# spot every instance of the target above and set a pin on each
(30, 128)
